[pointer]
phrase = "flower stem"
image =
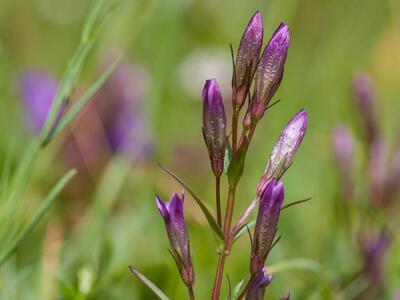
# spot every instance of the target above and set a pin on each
(226, 250)
(218, 276)
(191, 293)
(235, 117)
(218, 199)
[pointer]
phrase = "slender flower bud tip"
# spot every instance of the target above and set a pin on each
(258, 286)
(214, 125)
(247, 57)
(266, 223)
(287, 145)
(269, 73)
(172, 213)
(343, 144)
(364, 95)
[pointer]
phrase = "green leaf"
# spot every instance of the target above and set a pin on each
(211, 221)
(148, 283)
(238, 288)
(39, 214)
(228, 156)
(90, 33)
(236, 166)
(243, 229)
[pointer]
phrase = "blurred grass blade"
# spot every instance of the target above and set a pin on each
(89, 36)
(40, 212)
(211, 221)
(86, 97)
(297, 264)
(148, 283)
(91, 19)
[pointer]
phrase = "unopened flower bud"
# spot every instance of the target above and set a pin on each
(286, 146)
(269, 71)
(172, 213)
(378, 171)
(266, 224)
(246, 59)
(258, 285)
(364, 96)
(214, 125)
(343, 147)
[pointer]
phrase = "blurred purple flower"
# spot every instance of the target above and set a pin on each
(266, 224)
(377, 171)
(258, 285)
(121, 107)
(343, 147)
(214, 125)
(247, 58)
(364, 95)
(373, 250)
(269, 71)
(38, 90)
(172, 213)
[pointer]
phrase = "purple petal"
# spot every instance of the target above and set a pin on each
(249, 49)
(38, 92)
(287, 145)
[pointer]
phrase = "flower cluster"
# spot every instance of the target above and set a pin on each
(256, 77)
(380, 186)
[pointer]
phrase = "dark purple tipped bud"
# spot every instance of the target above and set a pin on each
(364, 95)
(172, 213)
(266, 224)
(269, 71)
(258, 285)
(287, 145)
(38, 91)
(247, 57)
(343, 147)
(214, 125)
(287, 297)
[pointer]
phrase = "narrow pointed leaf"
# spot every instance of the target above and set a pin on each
(228, 157)
(243, 229)
(148, 283)
(39, 214)
(295, 203)
(210, 219)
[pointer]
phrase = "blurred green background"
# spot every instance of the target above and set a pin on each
(83, 249)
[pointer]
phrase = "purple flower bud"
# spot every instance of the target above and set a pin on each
(287, 297)
(269, 71)
(377, 171)
(287, 145)
(247, 57)
(214, 125)
(393, 186)
(364, 96)
(373, 250)
(266, 224)
(343, 147)
(38, 91)
(172, 213)
(258, 286)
